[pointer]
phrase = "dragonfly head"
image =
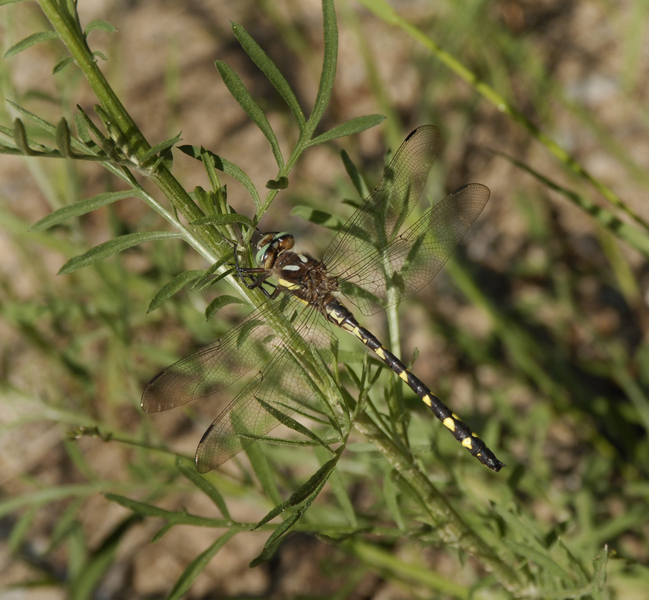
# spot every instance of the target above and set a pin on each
(270, 245)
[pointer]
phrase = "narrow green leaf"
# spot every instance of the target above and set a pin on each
(206, 280)
(20, 138)
(59, 66)
(392, 502)
(3, 2)
(631, 235)
(101, 25)
(210, 167)
(290, 422)
(269, 68)
(101, 560)
(350, 127)
(218, 303)
(90, 126)
(205, 486)
(63, 139)
(44, 125)
(275, 512)
(265, 555)
(114, 246)
(80, 208)
(317, 216)
(31, 40)
(340, 491)
(329, 63)
(357, 179)
(223, 220)
(161, 532)
(21, 527)
(172, 287)
(242, 96)
(264, 473)
(283, 528)
(195, 568)
(159, 148)
(140, 508)
(100, 55)
(541, 558)
(315, 482)
(226, 167)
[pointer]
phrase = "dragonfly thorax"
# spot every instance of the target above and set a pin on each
(298, 274)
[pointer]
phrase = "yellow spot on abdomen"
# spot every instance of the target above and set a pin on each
(427, 401)
(467, 442)
(449, 423)
(380, 353)
(404, 376)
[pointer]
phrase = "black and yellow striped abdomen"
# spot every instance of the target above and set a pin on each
(341, 316)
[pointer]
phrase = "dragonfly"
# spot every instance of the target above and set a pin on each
(371, 263)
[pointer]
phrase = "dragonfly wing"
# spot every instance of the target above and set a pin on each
(380, 217)
(283, 383)
(219, 364)
(413, 259)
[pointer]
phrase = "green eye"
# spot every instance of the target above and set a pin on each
(261, 253)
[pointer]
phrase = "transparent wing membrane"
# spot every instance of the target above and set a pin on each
(412, 260)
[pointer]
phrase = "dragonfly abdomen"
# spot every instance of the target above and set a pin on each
(341, 316)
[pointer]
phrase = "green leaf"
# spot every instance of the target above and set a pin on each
(101, 25)
(20, 138)
(223, 220)
(63, 139)
(283, 527)
(307, 492)
(159, 148)
(329, 63)
(3, 2)
(101, 560)
(80, 208)
(196, 567)
(114, 246)
(30, 41)
(205, 486)
(59, 66)
(357, 179)
(266, 475)
(315, 483)
(172, 287)
(265, 555)
(218, 303)
(243, 97)
(268, 68)
(291, 423)
(205, 280)
(631, 235)
(317, 216)
(141, 508)
(350, 127)
(392, 502)
(340, 491)
(226, 167)
(100, 55)
(44, 125)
